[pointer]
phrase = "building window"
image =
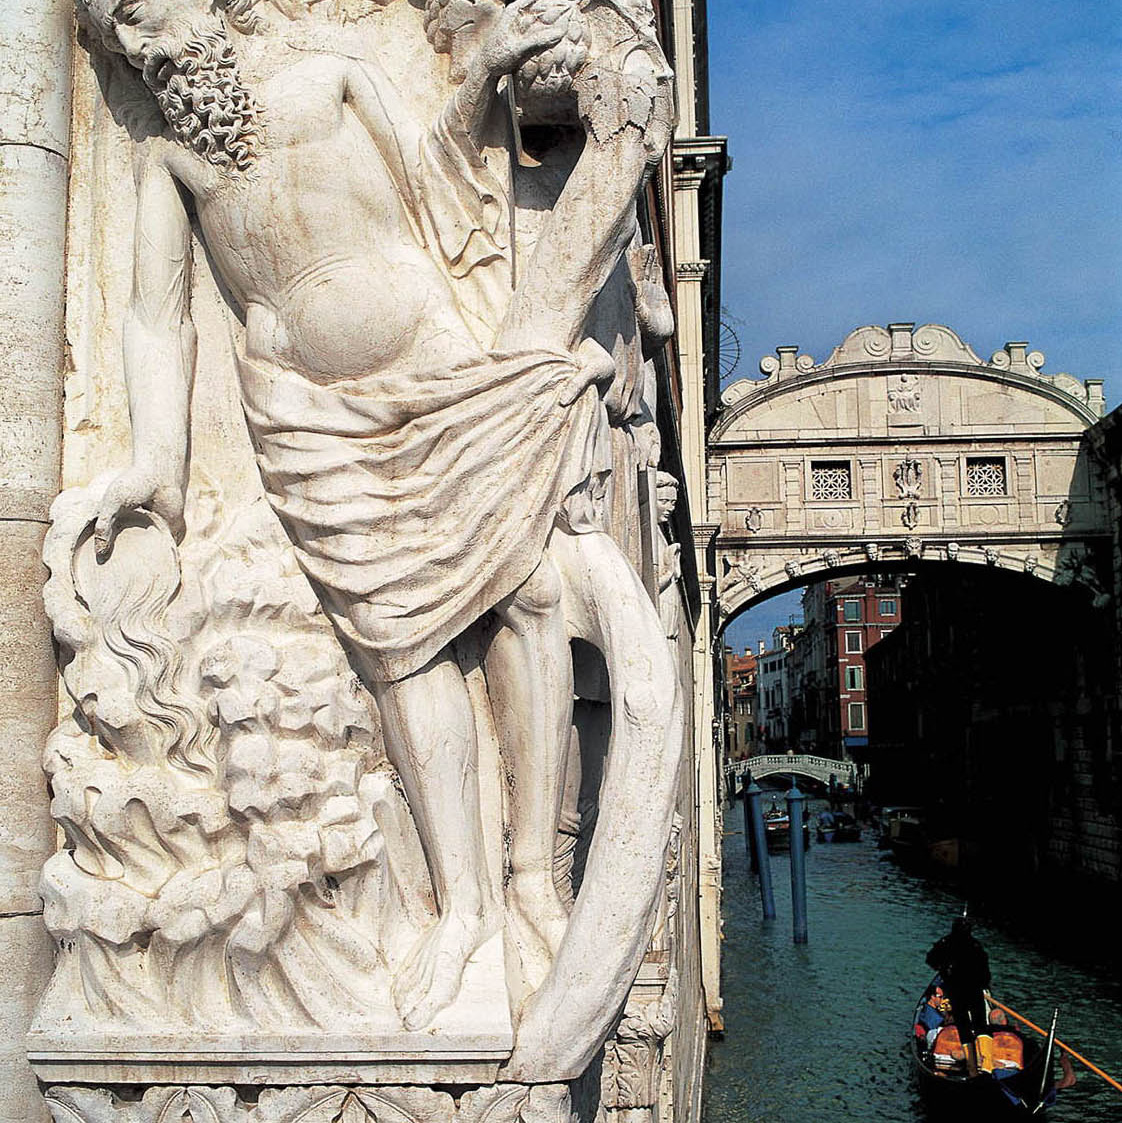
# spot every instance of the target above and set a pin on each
(856, 715)
(851, 611)
(854, 678)
(887, 607)
(830, 479)
(852, 642)
(985, 475)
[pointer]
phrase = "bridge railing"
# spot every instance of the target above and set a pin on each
(820, 768)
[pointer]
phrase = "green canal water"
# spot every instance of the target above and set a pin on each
(817, 1033)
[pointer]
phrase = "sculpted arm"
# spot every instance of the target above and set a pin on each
(159, 359)
(514, 36)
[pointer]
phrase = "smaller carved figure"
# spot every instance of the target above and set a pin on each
(909, 478)
(904, 396)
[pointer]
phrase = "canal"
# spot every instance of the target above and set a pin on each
(819, 1031)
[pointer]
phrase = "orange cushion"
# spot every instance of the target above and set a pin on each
(947, 1047)
(1008, 1050)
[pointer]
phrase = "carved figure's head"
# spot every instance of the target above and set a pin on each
(184, 54)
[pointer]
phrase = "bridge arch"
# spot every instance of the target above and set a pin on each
(904, 448)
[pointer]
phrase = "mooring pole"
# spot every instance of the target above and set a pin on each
(754, 827)
(749, 842)
(795, 802)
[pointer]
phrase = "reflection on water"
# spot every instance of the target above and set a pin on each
(819, 1031)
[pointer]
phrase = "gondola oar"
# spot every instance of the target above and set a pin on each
(1066, 1048)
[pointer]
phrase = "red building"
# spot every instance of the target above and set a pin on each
(741, 704)
(843, 620)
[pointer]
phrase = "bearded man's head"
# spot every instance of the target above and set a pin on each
(186, 59)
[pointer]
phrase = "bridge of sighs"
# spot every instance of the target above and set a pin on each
(904, 447)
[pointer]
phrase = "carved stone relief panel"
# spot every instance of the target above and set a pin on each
(369, 340)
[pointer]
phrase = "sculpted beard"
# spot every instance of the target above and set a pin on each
(203, 100)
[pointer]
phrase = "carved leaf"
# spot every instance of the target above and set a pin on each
(353, 1112)
(611, 100)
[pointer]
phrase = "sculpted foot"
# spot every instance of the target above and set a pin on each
(431, 976)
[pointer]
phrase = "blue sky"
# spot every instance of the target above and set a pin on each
(956, 162)
(951, 162)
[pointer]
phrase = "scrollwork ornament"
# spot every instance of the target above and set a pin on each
(754, 520)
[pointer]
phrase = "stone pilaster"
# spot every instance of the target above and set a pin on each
(35, 38)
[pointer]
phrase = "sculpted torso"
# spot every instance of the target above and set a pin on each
(316, 245)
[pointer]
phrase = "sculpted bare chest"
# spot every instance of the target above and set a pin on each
(317, 245)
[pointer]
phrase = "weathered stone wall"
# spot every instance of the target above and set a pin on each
(34, 131)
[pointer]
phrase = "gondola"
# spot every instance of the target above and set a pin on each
(836, 826)
(1021, 1085)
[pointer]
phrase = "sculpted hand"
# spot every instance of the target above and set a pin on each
(595, 366)
(137, 487)
(524, 28)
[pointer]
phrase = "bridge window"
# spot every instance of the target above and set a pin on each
(856, 715)
(830, 479)
(985, 475)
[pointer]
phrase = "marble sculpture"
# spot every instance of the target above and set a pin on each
(313, 778)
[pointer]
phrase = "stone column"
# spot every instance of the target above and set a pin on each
(708, 761)
(35, 39)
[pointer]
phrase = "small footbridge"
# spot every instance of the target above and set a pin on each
(819, 768)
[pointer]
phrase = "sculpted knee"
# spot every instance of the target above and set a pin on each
(538, 595)
(648, 702)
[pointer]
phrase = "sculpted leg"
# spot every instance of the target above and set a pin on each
(430, 740)
(530, 683)
(605, 603)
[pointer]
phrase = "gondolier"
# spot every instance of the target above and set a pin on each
(964, 968)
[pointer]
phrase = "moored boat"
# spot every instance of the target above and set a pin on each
(777, 829)
(1015, 1079)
